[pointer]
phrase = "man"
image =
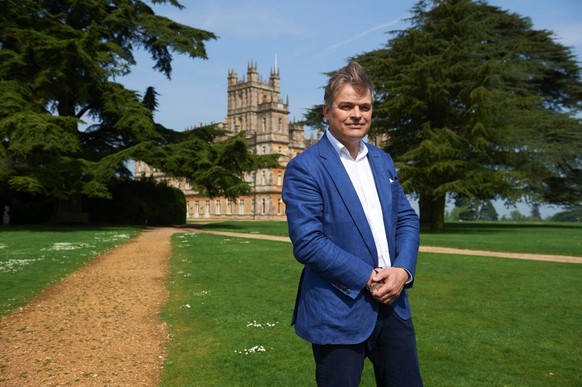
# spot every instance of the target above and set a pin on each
(357, 236)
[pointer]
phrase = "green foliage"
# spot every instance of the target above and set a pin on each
(209, 159)
(572, 214)
(474, 209)
(58, 63)
(313, 118)
(477, 103)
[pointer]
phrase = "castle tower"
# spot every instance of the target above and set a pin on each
(254, 107)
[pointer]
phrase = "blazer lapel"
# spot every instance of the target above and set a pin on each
(383, 182)
(345, 189)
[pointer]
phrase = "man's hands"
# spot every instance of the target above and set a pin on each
(385, 285)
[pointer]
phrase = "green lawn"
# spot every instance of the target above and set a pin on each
(480, 321)
(33, 258)
(536, 238)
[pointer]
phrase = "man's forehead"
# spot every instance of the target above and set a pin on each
(350, 93)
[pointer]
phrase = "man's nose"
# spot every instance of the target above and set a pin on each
(355, 113)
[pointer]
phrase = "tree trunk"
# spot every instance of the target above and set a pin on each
(425, 209)
(438, 214)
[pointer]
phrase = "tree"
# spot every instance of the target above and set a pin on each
(475, 209)
(535, 214)
(59, 60)
(571, 214)
(488, 211)
(478, 104)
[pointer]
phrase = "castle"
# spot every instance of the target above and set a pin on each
(255, 107)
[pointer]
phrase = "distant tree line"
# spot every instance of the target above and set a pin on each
(475, 210)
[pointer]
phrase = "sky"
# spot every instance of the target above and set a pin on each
(304, 40)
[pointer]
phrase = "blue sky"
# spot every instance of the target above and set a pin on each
(305, 39)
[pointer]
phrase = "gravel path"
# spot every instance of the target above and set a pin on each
(98, 326)
(101, 326)
(441, 250)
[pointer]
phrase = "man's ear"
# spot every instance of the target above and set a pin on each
(325, 112)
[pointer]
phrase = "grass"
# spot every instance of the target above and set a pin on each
(229, 313)
(33, 258)
(277, 228)
(480, 321)
(537, 238)
(484, 321)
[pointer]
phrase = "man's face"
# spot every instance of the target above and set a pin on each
(350, 115)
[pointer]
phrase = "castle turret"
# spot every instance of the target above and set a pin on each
(252, 73)
(274, 79)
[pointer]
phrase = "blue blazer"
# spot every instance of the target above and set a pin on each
(332, 239)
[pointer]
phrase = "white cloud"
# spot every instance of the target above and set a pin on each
(367, 32)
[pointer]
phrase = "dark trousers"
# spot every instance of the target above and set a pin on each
(391, 348)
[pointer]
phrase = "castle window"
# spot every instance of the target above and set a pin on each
(279, 179)
(217, 206)
(280, 128)
(263, 178)
(207, 212)
(264, 126)
(263, 206)
(241, 207)
(196, 209)
(279, 205)
(229, 206)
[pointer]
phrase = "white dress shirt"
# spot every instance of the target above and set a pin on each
(362, 179)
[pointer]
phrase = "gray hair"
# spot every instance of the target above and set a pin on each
(352, 74)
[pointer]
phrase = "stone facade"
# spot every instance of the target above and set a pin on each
(255, 107)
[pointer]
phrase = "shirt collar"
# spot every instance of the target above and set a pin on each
(341, 148)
